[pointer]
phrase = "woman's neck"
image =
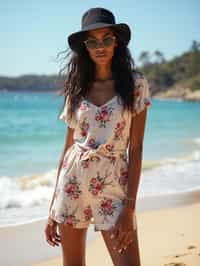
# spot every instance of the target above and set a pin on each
(103, 72)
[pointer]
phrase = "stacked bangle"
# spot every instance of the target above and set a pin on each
(129, 202)
(50, 221)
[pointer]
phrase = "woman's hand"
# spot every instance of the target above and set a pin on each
(123, 230)
(51, 233)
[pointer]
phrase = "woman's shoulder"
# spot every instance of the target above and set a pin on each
(142, 97)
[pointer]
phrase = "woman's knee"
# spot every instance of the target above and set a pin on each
(73, 242)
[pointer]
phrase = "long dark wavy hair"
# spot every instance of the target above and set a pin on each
(80, 71)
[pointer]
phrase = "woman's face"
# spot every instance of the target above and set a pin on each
(101, 54)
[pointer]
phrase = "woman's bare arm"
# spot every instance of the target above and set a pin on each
(137, 130)
(68, 142)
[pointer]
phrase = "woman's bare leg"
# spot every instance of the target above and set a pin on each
(128, 257)
(73, 242)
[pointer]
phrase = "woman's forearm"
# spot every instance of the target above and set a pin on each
(134, 173)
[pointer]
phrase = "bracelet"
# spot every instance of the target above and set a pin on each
(129, 202)
(50, 221)
(129, 198)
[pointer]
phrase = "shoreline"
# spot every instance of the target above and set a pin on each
(176, 243)
(144, 203)
(154, 215)
(185, 95)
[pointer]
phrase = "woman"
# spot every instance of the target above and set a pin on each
(106, 101)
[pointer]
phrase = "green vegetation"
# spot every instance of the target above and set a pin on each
(182, 70)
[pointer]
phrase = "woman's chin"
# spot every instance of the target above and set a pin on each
(102, 60)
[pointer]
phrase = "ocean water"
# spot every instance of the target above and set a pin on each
(32, 139)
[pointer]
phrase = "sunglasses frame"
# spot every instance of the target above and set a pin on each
(113, 37)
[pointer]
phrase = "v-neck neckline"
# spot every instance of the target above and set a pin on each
(102, 105)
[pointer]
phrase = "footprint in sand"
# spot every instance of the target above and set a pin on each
(181, 255)
(175, 264)
(191, 247)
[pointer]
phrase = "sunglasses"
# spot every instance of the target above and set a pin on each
(93, 43)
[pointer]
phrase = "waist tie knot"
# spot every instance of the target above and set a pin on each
(102, 150)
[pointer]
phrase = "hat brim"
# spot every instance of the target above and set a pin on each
(123, 29)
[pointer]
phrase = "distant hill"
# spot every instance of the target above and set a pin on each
(29, 83)
(175, 78)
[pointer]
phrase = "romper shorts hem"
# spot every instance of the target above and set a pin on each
(74, 225)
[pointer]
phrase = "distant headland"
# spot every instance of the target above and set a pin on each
(176, 78)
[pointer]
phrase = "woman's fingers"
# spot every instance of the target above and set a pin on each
(121, 239)
(51, 235)
(124, 240)
(58, 237)
(127, 240)
(115, 231)
(54, 236)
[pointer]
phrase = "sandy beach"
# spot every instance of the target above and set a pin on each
(167, 237)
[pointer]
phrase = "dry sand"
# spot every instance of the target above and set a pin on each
(167, 237)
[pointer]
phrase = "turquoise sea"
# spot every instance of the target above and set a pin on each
(32, 139)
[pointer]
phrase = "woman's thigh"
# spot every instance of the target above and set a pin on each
(128, 257)
(73, 242)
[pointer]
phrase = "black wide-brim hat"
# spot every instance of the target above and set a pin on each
(96, 18)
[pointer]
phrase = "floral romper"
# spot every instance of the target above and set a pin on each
(93, 179)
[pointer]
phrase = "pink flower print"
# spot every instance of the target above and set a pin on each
(109, 147)
(83, 106)
(118, 131)
(84, 126)
(85, 163)
(123, 179)
(72, 188)
(98, 186)
(107, 208)
(107, 205)
(118, 125)
(112, 159)
(94, 192)
(137, 92)
(70, 218)
(147, 102)
(97, 117)
(92, 143)
(94, 180)
(98, 183)
(103, 115)
(88, 212)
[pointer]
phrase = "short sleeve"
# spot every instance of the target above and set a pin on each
(142, 95)
(70, 121)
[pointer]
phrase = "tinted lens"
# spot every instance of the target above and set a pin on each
(91, 43)
(108, 41)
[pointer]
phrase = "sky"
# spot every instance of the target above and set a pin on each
(32, 33)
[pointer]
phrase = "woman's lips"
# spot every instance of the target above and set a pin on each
(101, 55)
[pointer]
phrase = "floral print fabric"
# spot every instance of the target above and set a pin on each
(94, 174)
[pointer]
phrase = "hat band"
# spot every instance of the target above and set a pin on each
(97, 19)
